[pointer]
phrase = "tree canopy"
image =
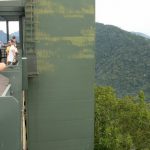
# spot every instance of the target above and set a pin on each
(121, 124)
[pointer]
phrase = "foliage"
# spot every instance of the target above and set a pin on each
(122, 60)
(121, 124)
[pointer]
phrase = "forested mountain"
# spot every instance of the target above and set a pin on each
(3, 36)
(122, 60)
(142, 34)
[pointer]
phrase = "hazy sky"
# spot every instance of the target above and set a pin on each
(130, 15)
(13, 26)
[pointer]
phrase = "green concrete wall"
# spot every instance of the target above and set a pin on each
(60, 100)
(10, 128)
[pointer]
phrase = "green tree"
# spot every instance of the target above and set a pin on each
(121, 124)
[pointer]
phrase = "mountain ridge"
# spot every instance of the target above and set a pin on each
(122, 60)
(141, 34)
(3, 36)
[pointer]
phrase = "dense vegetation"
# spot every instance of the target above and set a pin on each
(121, 124)
(122, 60)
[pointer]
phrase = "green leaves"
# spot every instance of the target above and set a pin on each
(121, 124)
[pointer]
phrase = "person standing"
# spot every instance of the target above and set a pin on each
(7, 50)
(15, 40)
(12, 54)
(1, 45)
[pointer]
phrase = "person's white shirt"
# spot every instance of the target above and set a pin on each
(12, 53)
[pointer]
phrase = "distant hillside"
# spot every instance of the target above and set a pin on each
(122, 60)
(16, 34)
(141, 34)
(3, 36)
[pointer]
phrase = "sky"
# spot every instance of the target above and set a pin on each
(13, 26)
(130, 15)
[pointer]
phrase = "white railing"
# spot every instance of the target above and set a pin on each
(7, 91)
